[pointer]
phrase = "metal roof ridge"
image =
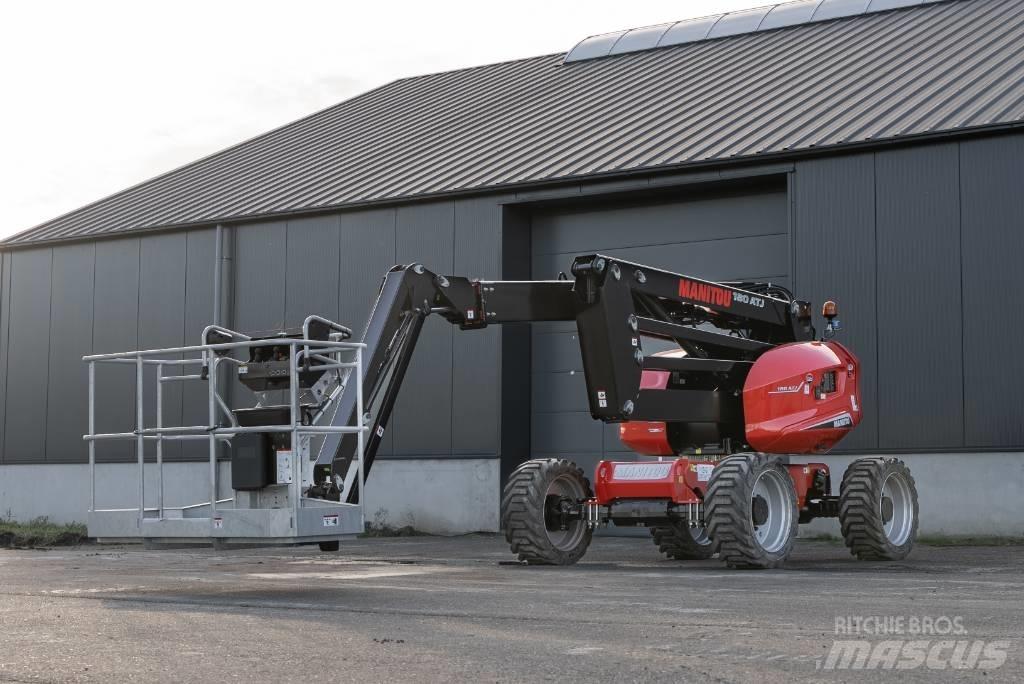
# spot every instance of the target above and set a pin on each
(802, 12)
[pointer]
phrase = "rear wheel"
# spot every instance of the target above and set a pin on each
(878, 509)
(683, 542)
(751, 511)
(538, 512)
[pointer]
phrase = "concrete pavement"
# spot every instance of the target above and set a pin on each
(455, 609)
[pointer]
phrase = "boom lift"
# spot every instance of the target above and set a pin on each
(743, 385)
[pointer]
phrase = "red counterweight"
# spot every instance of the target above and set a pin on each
(678, 480)
(801, 398)
(685, 480)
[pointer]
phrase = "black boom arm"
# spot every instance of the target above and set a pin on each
(722, 327)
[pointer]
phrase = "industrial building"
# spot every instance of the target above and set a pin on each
(870, 152)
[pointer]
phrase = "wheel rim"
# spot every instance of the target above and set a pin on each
(774, 532)
(563, 487)
(899, 526)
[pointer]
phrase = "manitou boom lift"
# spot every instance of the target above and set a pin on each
(744, 385)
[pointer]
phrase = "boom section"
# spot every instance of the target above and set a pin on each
(618, 307)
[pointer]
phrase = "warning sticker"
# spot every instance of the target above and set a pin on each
(218, 523)
(704, 471)
(330, 521)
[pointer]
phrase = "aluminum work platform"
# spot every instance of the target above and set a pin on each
(268, 446)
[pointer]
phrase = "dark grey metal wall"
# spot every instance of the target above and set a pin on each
(992, 245)
(920, 246)
(333, 265)
(917, 228)
(28, 341)
(61, 303)
(58, 304)
(739, 235)
(834, 257)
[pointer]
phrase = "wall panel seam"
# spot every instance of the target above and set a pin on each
(49, 337)
(7, 352)
(284, 299)
(5, 291)
(963, 320)
(451, 334)
(184, 330)
(791, 226)
(874, 207)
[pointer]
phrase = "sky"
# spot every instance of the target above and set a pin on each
(100, 95)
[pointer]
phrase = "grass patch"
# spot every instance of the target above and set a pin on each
(381, 528)
(389, 531)
(40, 533)
(966, 540)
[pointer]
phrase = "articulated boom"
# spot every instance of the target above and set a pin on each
(693, 398)
(694, 372)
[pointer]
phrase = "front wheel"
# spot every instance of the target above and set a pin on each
(878, 509)
(751, 511)
(540, 512)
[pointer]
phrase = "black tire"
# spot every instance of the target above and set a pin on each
(530, 529)
(331, 546)
(729, 509)
(681, 543)
(878, 509)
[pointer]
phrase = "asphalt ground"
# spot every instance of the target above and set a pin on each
(427, 609)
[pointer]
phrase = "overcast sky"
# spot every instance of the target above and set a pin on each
(100, 95)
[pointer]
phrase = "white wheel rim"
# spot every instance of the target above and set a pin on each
(700, 535)
(773, 534)
(899, 527)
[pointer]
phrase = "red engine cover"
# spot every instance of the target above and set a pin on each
(801, 398)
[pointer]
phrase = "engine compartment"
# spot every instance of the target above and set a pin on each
(797, 398)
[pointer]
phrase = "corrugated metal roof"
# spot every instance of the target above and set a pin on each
(937, 67)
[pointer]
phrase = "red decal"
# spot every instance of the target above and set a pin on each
(702, 292)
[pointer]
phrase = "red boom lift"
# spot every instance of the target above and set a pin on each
(744, 385)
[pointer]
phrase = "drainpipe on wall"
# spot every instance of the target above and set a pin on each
(222, 304)
(218, 259)
(223, 276)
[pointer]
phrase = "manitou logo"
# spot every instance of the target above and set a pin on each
(702, 292)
